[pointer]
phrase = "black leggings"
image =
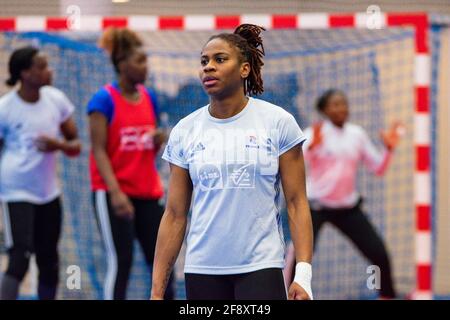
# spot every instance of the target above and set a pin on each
(31, 228)
(118, 235)
(355, 225)
(266, 284)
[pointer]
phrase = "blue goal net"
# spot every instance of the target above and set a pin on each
(374, 68)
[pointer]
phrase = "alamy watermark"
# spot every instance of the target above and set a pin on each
(374, 19)
(74, 17)
(374, 280)
(73, 281)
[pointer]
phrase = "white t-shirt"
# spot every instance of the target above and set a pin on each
(332, 166)
(233, 164)
(27, 174)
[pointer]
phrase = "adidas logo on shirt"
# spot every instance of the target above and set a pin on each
(199, 147)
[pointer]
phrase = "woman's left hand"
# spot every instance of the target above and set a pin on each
(391, 137)
(296, 292)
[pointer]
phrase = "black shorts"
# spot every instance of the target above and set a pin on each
(32, 226)
(266, 284)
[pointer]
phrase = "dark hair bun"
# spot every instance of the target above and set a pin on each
(21, 59)
(251, 33)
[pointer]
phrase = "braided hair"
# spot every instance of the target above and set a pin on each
(246, 38)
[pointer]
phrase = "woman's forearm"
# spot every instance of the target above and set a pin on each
(300, 226)
(71, 148)
(170, 238)
(105, 169)
(384, 164)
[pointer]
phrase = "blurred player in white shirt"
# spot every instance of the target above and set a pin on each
(36, 121)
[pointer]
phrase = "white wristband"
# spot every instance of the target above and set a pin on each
(303, 275)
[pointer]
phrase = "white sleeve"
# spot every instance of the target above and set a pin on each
(174, 151)
(65, 106)
(371, 156)
(308, 136)
(307, 153)
(290, 134)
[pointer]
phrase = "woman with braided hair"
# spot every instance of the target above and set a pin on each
(232, 155)
(126, 187)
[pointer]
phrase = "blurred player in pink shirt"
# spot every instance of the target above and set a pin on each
(333, 151)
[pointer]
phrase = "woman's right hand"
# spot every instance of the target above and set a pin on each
(317, 135)
(122, 205)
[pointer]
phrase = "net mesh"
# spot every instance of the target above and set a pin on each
(374, 68)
